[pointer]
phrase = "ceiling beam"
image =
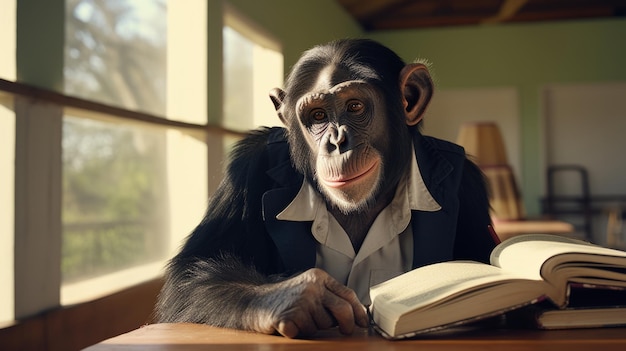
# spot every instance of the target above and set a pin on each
(507, 11)
(364, 10)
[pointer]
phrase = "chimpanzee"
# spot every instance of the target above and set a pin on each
(349, 194)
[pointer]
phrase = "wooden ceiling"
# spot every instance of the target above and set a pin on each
(414, 14)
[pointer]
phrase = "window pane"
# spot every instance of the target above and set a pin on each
(114, 197)
(131, 194)
(116, 52)
(7, 230)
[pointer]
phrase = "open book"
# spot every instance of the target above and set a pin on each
(524, 270)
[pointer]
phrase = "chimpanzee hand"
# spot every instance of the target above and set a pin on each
(306, 303)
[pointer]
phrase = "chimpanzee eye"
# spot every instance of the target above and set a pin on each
(318, 115)
(355, 106)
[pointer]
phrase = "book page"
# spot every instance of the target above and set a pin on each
(525, 254)
(442, 294)
(436, 282)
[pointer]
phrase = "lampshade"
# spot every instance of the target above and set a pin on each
(483, 142)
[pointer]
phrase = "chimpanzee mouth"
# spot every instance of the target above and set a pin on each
(341, 182)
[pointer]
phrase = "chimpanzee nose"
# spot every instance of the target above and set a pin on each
(338, 139)
(338, 136)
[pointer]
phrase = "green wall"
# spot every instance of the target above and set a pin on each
(525, 56)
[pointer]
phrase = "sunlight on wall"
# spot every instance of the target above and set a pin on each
(264, 80)
(253, 65)
(7, 167)
(186, 101)
(187, 60)
(7, 164)
(187, 175)
(7, 40)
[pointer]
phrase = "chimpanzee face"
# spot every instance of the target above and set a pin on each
(338, 120)
(347, 120)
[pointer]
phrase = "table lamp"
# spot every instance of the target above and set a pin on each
(484, 144)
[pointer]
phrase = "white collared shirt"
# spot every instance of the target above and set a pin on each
(387, 250)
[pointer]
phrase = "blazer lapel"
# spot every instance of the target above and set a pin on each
(434, 232)
(294, 241)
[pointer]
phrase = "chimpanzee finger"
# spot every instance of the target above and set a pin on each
(291, 329)
(287, 328)
(341, 310)
(323, 318)
(359, 312)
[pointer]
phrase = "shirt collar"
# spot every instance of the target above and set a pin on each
(307, 202)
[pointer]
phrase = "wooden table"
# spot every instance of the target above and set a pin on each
(190, 337)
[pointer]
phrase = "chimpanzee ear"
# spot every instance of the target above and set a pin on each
(417, 89)
(278, 95)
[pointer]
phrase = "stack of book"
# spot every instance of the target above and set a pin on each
(550, 281)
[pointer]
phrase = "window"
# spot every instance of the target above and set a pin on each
(253, 64)
(94, 197)
(96, 193)
(116, 52)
